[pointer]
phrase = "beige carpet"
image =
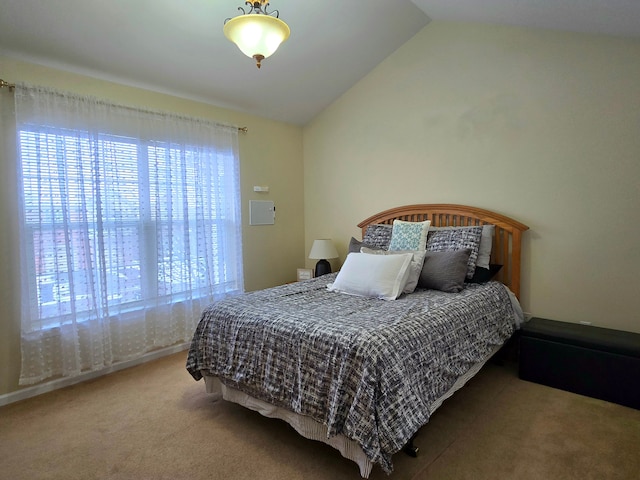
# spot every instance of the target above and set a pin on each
(155, 422)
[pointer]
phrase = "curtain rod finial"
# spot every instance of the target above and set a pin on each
(8, 85)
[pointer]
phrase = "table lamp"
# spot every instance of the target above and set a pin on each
(323, 249)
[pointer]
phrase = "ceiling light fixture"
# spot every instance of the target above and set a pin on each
(257, 33)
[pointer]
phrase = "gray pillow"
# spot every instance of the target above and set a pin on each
(445, 271)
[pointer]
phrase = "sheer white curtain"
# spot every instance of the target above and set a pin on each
(130, 225)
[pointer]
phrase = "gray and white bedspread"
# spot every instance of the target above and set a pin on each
(368, 369)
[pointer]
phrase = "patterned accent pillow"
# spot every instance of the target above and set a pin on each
(486, 242)
(378, 236)
(457, 239)
(409, 235)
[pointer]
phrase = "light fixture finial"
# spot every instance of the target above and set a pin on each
(258, 59)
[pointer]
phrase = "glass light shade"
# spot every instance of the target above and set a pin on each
(256, 34)
(322, 249)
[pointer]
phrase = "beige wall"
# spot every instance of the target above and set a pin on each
(537, 125)
(270, 154)
(540, 126)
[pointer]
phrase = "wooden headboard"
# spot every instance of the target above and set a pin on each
(507, 238)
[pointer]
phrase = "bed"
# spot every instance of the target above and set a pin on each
(358, 373)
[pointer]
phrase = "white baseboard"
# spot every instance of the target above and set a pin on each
(29, 392)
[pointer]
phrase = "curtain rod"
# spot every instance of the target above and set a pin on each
(12, 86)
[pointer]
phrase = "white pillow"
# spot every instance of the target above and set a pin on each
(377, 276)
(414, 269)
(409, 235)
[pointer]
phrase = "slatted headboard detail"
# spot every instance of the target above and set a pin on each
(506, 248)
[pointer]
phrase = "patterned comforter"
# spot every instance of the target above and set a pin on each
(368, 369)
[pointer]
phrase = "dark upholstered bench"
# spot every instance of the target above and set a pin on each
(592, 361)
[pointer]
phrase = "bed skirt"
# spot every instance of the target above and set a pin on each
(312, 430)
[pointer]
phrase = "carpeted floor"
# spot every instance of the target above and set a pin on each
(155, 422)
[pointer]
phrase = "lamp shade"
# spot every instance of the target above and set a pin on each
(322, 249)
(257, 36)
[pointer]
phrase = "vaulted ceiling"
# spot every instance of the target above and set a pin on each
(177, 46)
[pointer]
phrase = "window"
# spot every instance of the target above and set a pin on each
(133, 223)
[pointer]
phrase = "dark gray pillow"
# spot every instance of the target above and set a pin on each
(484, 275)
(445, 271)
(355, 245)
